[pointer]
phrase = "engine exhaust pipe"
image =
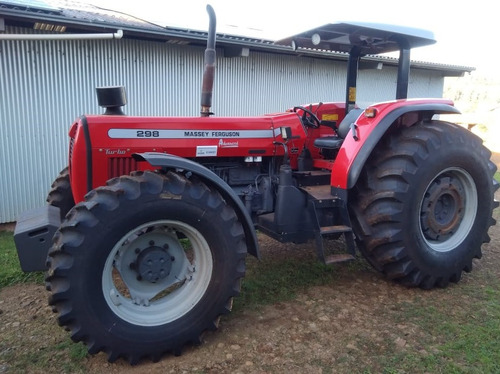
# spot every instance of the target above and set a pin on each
(209, 68)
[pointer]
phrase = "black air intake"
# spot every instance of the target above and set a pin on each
(112, 98)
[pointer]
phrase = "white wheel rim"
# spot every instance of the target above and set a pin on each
(144, 303)
(465, 191)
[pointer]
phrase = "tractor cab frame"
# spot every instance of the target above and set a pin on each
(361, 39)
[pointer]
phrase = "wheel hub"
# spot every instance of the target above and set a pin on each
(442, 208)
(153, 264)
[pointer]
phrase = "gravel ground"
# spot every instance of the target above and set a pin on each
(351, 325)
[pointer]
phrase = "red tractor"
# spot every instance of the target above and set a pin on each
(147, 229)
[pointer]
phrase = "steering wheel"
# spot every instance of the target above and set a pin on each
(311, 121)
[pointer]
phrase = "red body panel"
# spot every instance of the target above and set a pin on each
(115, 138)
(350, 147)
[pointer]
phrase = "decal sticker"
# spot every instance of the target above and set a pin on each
(330, 117)
(228, 144)
(191, 134)
(206, 151)
(115, 151)
(352, 94)
(147, 133)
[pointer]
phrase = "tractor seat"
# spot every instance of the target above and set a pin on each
(334, 142)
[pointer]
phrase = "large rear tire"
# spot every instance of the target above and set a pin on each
(424, 204)
(60, 194)
(145, 265)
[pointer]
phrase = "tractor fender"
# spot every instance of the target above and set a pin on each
(165, 160)
(354, 153)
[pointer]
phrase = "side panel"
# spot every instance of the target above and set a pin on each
(354, 152)
(103, 146)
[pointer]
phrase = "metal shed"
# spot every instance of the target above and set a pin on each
(45, 84)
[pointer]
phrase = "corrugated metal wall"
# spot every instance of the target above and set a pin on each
(45, 85)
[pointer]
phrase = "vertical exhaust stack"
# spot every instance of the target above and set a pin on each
(209, 69)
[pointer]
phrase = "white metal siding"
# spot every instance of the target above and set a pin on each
(45, 85)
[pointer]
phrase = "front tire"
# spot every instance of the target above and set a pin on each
(60, 194)
(145, 265)
(424, 204)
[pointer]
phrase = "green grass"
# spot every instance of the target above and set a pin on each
(66, 356)
(10, 270)
(497, 176)
(457, 338)
(454, 330)
(268, 281)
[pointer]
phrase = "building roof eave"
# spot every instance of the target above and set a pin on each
(140, 29)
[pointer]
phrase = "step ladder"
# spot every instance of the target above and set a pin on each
(319, 201)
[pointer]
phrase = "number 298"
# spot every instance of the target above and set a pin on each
(148, 134)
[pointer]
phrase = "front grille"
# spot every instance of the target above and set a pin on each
(118, 166)
(70, 152)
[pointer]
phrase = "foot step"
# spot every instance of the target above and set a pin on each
(335, 213)
(326, 230)
(340, 257)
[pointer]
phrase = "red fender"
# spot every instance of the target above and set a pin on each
(354, 153)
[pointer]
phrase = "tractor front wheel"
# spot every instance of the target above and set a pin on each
(60, 194)
(424, 204)
(145, 265)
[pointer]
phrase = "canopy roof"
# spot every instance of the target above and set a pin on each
(371, 38)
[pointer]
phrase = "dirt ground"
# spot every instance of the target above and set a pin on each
(342, 327)
(495, 157)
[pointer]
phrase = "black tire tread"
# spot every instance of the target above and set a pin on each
(380, 192)
(85, 215)
(60, 194)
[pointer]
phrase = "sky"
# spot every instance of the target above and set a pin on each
(467, 32)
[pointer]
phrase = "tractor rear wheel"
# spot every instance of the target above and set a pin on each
(145, 265)
(424, 204)
(60, 194)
